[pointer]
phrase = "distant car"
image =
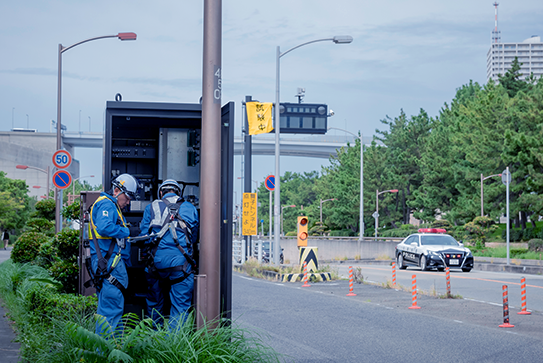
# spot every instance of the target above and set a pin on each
(266, 252)
(432, 248)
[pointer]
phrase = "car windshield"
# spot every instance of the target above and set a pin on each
(438, 240)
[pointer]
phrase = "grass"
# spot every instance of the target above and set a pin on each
(501, 252)
(68, 336)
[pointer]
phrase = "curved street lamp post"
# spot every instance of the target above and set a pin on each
(62, 49)
(46, 171)
(320, 207)
(344, 39)
(377, 193)
(482, 179)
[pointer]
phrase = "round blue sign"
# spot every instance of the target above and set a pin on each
(62, 179)
(270, 183)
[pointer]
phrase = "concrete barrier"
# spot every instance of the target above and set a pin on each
(342, 248)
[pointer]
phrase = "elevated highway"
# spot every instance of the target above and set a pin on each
(306, 146)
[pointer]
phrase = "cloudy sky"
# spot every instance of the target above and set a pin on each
(405, 55)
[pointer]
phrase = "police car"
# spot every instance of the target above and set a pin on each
(432, 248)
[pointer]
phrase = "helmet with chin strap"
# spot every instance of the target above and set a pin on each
(127, 184)
(169, 185)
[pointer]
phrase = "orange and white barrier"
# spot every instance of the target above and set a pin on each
(305, 275)
(523, 310)
(448, 278)
(505, 309)
(393, 274)
(414, 293)
(351, 293)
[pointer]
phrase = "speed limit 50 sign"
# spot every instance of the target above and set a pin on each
(62, 159)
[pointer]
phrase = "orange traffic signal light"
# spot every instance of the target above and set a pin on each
(302, 231)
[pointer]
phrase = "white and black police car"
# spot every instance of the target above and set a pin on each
(432, 248)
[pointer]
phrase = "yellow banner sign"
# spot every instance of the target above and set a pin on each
(250, 221)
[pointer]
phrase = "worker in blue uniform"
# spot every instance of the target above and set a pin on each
(109, 251)
(173, 225)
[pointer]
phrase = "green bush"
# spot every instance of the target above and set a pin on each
(27, 246)
(59, 256)
(66, 272)
(45, 209)
(41, 225)
(529, 233)
(72, 211)
(515, 235)
(45, 301)
(478, 230)
(535, 245)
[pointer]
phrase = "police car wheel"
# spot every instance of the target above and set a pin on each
(400, 263)
(423, 264)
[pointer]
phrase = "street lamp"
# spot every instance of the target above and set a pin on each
(322, 201)
(361, 138)
(377, 193)
(345, 39)
(46, 171)
(73, 182)
(482, 179)
(62, 49)
(283, 207)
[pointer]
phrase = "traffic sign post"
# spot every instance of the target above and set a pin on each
(62, 179)
(62, 159)
(506, 179)
(270, 185)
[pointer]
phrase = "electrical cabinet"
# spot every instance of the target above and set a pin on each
(159, 141)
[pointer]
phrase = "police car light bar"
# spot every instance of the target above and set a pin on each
(432, 230)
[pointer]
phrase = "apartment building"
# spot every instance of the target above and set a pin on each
(529, 53)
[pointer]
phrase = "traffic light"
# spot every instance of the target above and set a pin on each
(302, 231)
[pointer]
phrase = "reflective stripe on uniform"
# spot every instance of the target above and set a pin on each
(93, 227)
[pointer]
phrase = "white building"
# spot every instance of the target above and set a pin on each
(501, 55)
(33, 149)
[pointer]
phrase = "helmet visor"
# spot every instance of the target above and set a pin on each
(131, 195)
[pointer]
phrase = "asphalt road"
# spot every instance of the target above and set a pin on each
(321, 324)
(477, 285)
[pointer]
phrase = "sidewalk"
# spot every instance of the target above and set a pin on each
(9, 350)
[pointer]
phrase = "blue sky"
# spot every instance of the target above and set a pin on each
(405, 55)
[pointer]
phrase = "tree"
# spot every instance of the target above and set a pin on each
(341, 180)
(406, 144)
(511, 79)
(14, 203)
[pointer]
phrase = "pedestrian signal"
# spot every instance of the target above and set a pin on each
(302, 231)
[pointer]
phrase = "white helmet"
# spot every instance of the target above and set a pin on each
(127, 184)
(169, 184)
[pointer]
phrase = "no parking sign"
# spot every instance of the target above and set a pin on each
(62, 179)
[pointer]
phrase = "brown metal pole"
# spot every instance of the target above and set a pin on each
(58, 194)
(211, 157)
